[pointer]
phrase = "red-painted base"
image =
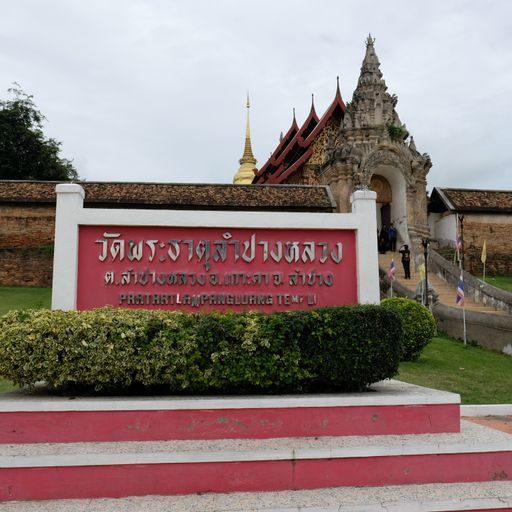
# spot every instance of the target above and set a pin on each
(150, 425)
(45, 483)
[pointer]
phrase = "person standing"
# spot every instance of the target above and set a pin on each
(385, 237)
(382, 242)
(392, 235)
(406, 260)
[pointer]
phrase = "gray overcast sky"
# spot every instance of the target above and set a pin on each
(154, 90)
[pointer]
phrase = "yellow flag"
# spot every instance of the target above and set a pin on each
(483, 258)
(421, 270)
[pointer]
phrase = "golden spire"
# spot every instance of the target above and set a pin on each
(247, 169)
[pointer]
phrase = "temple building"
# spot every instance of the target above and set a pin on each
(356, 145)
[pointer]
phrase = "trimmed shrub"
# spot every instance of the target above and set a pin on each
(112, 350)
(419, 325)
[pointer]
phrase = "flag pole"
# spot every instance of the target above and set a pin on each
(457, 248)
(461, 300)
(391, 274)
(464, 321)
(483, 257)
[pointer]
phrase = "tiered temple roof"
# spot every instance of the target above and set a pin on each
(296, 146)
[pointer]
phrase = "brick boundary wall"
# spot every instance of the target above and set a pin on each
(499, 246)
(27, 213)
(28, 266)
(26, 244)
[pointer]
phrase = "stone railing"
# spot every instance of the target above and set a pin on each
(475, 288)
(399, 290)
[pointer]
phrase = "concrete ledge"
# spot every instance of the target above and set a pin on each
(485, 329)
(389, 392)
(391, 407)
(486, 410)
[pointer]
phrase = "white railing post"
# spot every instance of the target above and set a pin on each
(70, 201)
(364, 206)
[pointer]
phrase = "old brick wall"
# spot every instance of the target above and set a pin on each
(26, 267)
(27, 213)
(498, 236)
(26, 244)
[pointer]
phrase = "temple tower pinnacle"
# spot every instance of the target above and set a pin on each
(371, 104)
(245, 173)
(371, 151)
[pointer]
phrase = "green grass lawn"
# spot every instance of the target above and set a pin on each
(17, 297)
(503, 282)
(479, 375)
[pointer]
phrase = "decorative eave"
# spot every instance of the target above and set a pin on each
(336, 103)
(283, 144)
(438, 202)
(280, 172)
(297, 139)
(283, 173)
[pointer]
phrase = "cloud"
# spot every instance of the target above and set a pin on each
(154, 90)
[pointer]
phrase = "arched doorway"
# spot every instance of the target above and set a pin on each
(382, 186)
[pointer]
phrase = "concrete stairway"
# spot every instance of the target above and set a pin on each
(447, 292)
(396, 448)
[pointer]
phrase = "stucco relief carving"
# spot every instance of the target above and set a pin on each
(324, 142)
(388, 157)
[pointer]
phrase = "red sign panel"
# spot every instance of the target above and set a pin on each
(196, 269)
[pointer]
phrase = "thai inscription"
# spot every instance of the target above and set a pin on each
(210, 268)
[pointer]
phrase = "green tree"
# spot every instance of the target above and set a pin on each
(25, 153)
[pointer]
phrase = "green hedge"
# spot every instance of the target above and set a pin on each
(419, 326)
(111, 350)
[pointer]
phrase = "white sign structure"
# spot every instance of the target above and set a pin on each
(71, 216)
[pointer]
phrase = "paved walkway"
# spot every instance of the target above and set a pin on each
(502, 423)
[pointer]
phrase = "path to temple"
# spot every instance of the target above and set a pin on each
(447, 292)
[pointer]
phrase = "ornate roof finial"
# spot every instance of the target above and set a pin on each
(248, 129)
(294, 120)
(370, 40)
(312, 110)
(281, 136)
(245, 174)
(338, 92)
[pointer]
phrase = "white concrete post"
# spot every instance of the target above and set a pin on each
(70, 202)
(364, 206)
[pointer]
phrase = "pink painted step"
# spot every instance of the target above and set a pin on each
(391, 407)
(88, 470)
